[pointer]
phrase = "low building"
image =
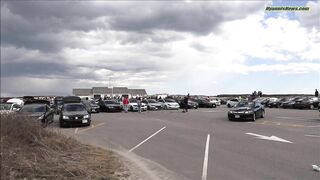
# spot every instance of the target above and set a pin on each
(108, 92)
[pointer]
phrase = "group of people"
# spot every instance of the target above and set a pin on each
(126, 102)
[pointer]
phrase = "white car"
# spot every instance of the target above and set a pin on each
(6, 108)
(215, 101)
(232, 102)
(169, 104)
(133, 105)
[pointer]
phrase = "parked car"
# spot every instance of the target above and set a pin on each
(95, 108)
(133, 105)
(306, 103)
(152, 104)
(6, 108)
(247, 111)
(216, 101)
(262, 100)
(232, 102)
(205, 103)
(191, 104)
(169, 104)
(276, 102)
(109, 106)
(37, 109)
(289, 103)
(74, 112)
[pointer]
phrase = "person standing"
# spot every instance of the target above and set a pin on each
(316, 93)
(185, 101)
(125, 104)
(139, 104)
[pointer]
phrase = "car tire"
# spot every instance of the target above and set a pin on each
(311, 106)
(131, 108)
(254, 117)
(229, 106)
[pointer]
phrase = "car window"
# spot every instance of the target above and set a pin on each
(170, 100)
(5, 106)
(245, 104)
(33, 108)
(152, 101)
(74, 107)
(110, 102)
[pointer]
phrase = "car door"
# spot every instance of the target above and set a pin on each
(48, 114)
(258, 109)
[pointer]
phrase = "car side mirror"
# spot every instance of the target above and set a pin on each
(16, 109)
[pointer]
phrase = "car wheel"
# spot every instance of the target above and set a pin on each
(311, 106)
(254, 117)
(263, 114)
(229, 106)
(131, 108)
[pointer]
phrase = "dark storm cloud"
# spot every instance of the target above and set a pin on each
(32, 69)
(29, 24)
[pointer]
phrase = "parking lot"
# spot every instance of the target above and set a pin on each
(203, 144)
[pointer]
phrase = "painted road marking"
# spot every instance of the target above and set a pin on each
(206, 159)
(311, 135)
(271, 138)
(281, 124)
(146, 139)
(91, 127)
(211, 111)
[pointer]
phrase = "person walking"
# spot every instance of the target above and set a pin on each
(125, 104)
(185, 102)
(316, 93)
(139, 104)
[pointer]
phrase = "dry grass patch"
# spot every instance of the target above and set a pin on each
(32, 152)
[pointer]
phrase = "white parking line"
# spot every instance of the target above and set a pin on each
(311, 135)
(146, 139)
(205, 159)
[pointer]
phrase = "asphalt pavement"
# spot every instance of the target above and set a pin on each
(202, 144)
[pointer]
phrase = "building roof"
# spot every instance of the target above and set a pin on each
(120, 90)
(107, 90)
(138, 91)
(101, 90)
(82, 92)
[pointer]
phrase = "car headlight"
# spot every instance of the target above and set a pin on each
(248, 112)
(65, 117)
(86, 116)
(41, 117)
(231, 112)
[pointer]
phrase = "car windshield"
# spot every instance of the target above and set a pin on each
(110, 102)
(133, 100)
(244, 104)
(5, 106)
(92, 102)
(33, 108)
(152, 101)
(74, 107)
(170, 100)
(273, 99)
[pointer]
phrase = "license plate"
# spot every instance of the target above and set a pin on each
(84, 121)
(237, 116)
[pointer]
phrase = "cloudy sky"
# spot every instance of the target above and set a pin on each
(196, 47)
